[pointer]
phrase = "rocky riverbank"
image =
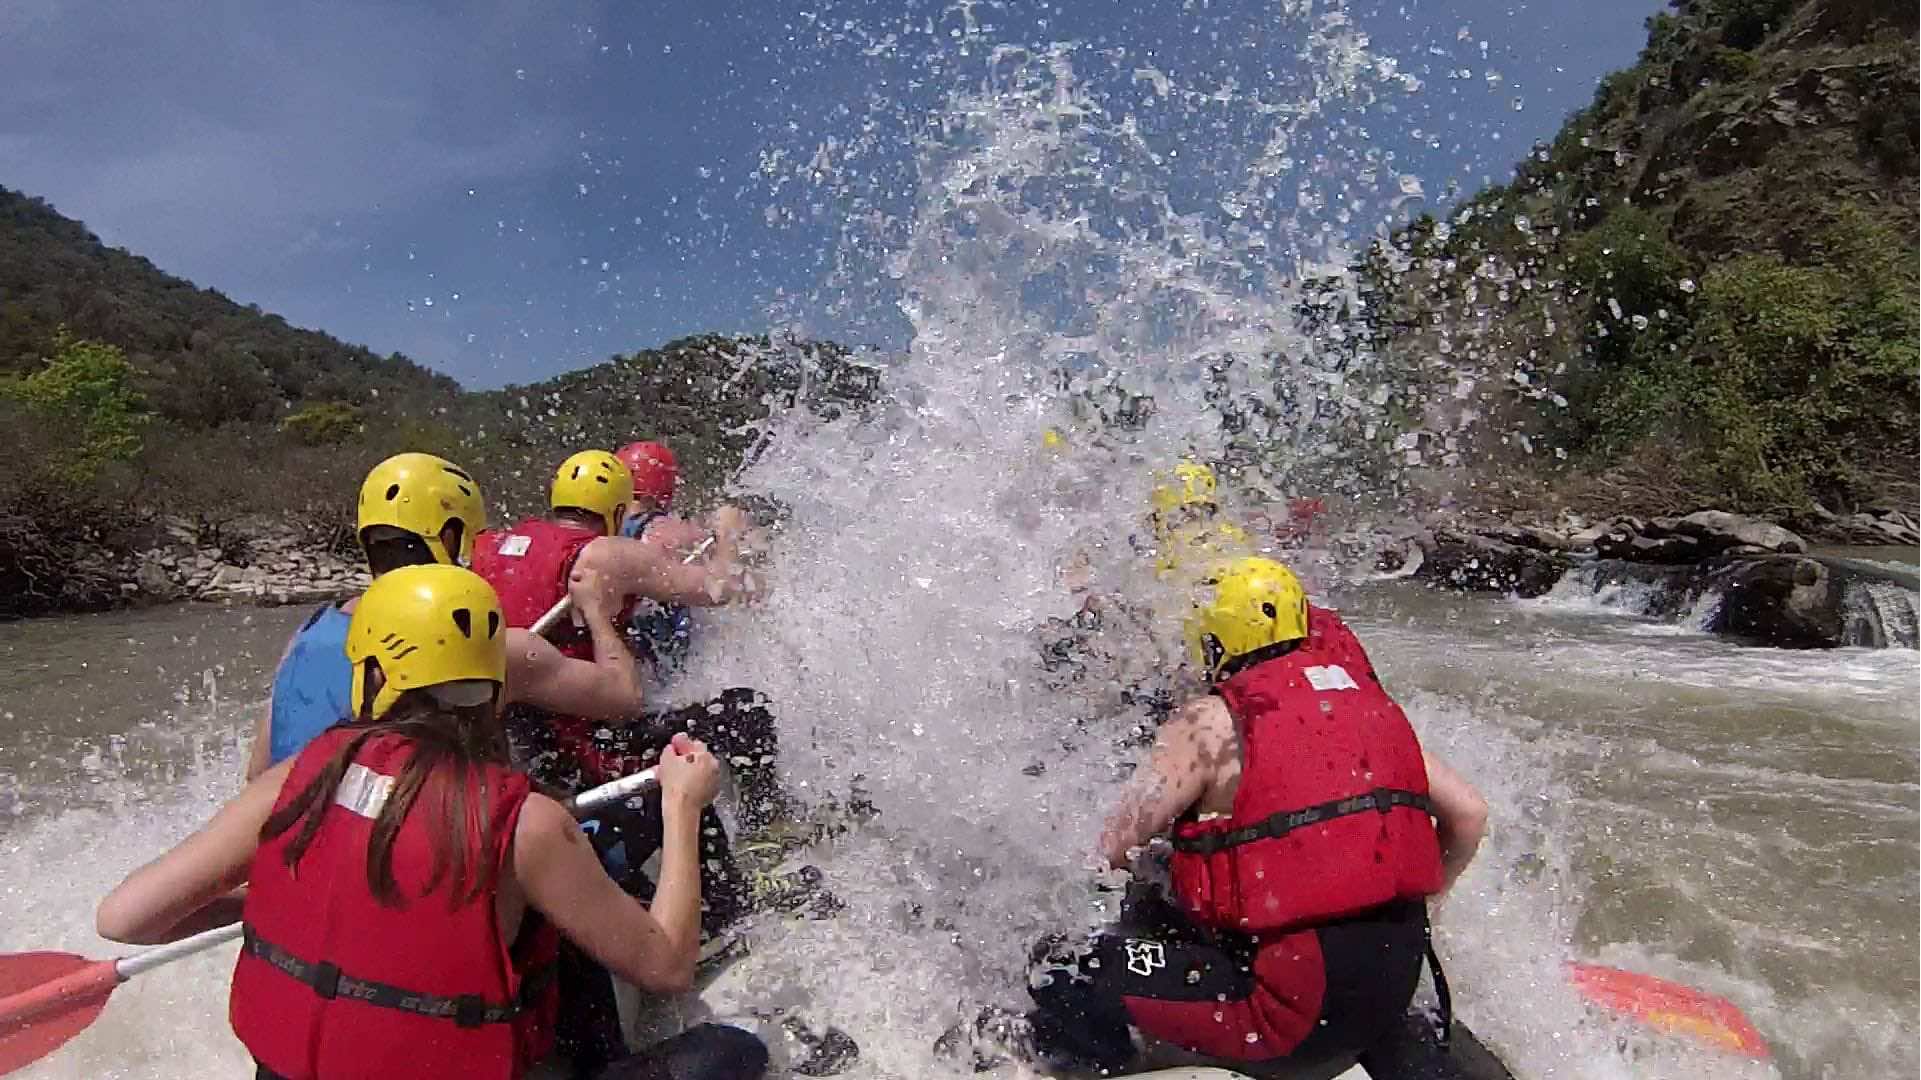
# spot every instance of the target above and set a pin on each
(261, 563)
(1740, 577)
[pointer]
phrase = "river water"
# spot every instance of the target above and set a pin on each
(1069, 233)
(1741, 820)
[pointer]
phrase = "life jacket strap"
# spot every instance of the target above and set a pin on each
(1278, 825)
(328, 981)
(1443, 1000)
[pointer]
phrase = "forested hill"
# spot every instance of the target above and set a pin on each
(1701, 293)
(202, 359)
(129, 397)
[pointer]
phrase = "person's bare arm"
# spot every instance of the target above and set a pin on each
(654, 947)
(1460, 817)
(195, 886)
(608, 687)
(1187, 751)
(678, 535)
(654, 572)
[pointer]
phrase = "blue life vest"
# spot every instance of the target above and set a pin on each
(312, 690)
(659, 633)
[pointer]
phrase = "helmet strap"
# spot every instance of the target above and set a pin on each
(1249, 659)
(372, 681)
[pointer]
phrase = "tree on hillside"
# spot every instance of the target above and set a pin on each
(86, 389)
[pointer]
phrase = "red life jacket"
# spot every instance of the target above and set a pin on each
(528, 567)
(333, 984)
(1331, 816)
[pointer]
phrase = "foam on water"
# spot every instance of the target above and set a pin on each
(59, 863)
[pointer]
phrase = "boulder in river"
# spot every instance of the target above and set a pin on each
(1719, 531)
(1704, 534)
(1631, 545)
(1791, 602)
(1485, 563)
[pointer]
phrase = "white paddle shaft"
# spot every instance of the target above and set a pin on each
(129, 966)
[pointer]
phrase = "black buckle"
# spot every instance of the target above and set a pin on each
(326, 980)
(1383, 799)
(470, 1010)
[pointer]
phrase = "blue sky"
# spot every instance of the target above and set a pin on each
(509, 190)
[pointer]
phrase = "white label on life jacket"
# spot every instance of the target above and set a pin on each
(363, 790)
(1331, 677)
(515, 546)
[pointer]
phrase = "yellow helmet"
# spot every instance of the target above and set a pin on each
(1201, 545)
(421, 494)
(1255, 603)
(595, 481)
(1193, 485)
(427, 626)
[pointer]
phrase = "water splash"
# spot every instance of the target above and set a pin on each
(1056, 252)
(1879, 614)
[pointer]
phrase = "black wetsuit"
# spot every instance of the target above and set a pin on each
(1367, 971)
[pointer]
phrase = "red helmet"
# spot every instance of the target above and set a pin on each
(654, 468)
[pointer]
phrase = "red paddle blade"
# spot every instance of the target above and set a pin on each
(47, 998)
(1670, 1007)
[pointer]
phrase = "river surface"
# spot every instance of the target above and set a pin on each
(1741, 820)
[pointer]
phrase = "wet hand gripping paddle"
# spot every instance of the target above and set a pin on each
(46, 998)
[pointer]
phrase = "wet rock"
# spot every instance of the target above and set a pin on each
(1484, 563)
(1719, 531)
(153, 581)
(1705, 534)
(1529, 536)
(1622, 542)
(1788, 602)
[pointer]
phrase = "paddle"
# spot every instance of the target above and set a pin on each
(47, 998)
(1670, 1008)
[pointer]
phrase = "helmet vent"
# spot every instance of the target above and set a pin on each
(1268, 610)
(458, 472)
(602, 478)
(464, 619)
(393, 492)
(493, 624)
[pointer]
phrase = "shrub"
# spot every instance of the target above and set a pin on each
(324, 424)
(87, 387)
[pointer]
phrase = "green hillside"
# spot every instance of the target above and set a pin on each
(1702, 292)
(129, 397)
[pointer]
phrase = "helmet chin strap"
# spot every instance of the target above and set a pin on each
(1213, 653)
